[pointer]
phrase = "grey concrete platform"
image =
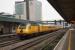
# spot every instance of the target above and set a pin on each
(67, 42)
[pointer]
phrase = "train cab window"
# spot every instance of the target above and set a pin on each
(28, 26)
(23, 26)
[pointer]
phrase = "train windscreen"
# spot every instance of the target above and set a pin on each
(23, 26)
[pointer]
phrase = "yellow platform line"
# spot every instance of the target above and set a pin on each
(69, 44)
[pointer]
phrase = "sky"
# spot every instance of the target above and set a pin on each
(48, 12)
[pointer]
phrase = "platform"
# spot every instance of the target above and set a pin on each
(67, 42)
(7, 35)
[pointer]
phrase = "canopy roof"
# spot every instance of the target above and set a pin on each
(66, 8)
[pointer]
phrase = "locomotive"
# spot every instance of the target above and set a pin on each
(31, 29)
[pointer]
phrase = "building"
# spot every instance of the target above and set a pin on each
(8, 23)
(35, 9)
(38, 11)
(20, 10)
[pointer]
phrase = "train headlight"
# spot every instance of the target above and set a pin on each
(26, 30)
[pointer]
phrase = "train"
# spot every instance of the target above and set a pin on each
(31, 29)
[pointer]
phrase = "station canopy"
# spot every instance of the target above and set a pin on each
(66, 8)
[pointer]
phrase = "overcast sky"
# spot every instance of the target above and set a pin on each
(48, 12)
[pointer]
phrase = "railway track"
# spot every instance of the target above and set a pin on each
(6, 43)
(7, 37)
(28, 45)
(25, 44)
(49, 37)
(8, 40)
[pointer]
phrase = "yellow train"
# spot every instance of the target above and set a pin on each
(34, 29)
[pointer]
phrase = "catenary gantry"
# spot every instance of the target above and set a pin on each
(66, 8)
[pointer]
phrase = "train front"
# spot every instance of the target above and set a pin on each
(23, 30)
